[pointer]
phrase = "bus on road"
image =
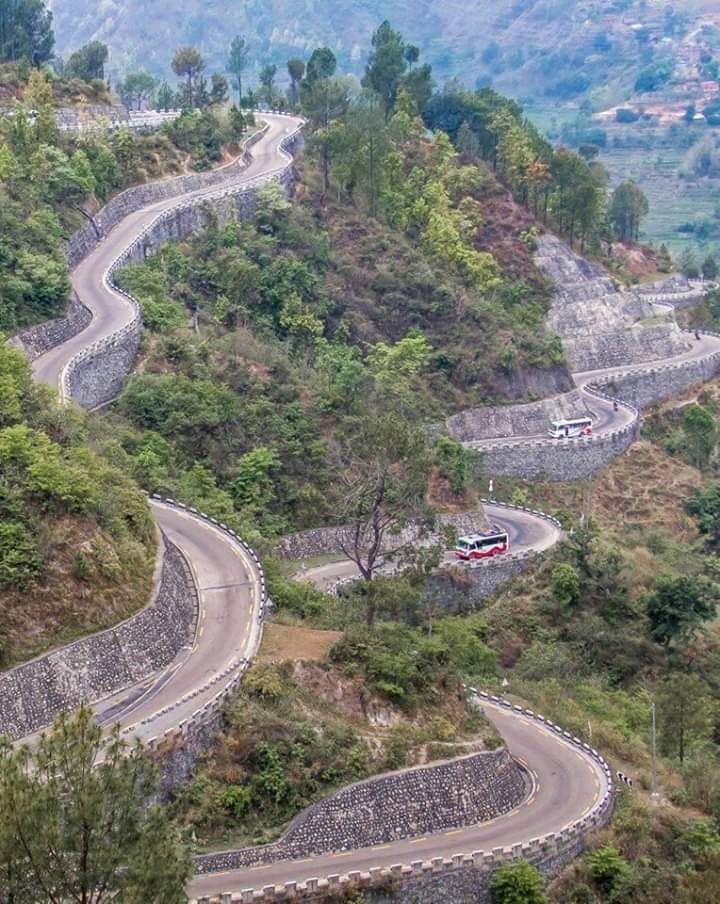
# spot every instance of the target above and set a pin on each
(482, 546)
(577, 426)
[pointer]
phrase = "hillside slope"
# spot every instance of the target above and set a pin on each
(542, 43)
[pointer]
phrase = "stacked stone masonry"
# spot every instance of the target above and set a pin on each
(415, 802)
(320, 541)
(33, 694)
(96, 375)
(41, 338)
(465, 877)
(600, 326)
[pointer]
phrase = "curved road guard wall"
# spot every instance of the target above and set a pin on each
(465, 876)
(86, 238)
(307, 544)
(426, 799)
(653, 384)
(571, 459)
(95, 376)
(36, 340)
(179, 747)
(33, 694)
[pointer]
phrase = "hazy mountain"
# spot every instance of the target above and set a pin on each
(555, 48)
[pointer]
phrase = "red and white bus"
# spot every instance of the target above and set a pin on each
(577, 426)
(482, 546)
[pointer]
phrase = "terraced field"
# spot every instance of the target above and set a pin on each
(673, 200)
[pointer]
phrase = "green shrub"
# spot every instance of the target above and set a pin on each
(517, 883)
(20, 559)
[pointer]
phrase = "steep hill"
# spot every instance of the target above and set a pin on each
(562, 47)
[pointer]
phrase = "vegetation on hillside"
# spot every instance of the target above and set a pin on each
(561, 50)
(296, 732)
(76, 538)
(75, 829)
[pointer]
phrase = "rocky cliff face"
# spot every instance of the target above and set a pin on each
(599, 325)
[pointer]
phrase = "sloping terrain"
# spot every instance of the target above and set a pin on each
(548, 44)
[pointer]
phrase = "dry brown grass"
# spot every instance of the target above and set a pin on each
(91, 582)
(643, 488)
(282, 643)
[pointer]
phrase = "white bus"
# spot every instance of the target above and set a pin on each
(480, 546)
(577, 426)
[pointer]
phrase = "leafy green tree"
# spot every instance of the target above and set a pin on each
(608, 868)
(686, 713)
(76, 825)
(628, 206)
(386, 65)
(378, 464)
(26, 31)
(188, 64)
(710, 267)
(237, 61)
(678, 606)
(165, 97)
(517, 883)
(296, 71)
(395, 366)
(700, 429)
(267, 83)
(237, 122)
(665, 263)
(704, 505)
(20, 559)
(218, 89)
(137, 90)
(321, 65)
(342, 377)
(322, 100)
(700, 838)
(253, 487)
(456, 463)
(565, 584)
(688, 263)
(88, 62)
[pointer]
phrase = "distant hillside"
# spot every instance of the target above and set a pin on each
(558, 48)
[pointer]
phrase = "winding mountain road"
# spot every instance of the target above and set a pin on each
(228, 631)
(526, 532)
(567, 782)
(566, 785)
(111, 310)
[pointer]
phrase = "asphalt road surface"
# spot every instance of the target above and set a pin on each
(111, 310)
(525, 532)
(229, 629)
(566, 785)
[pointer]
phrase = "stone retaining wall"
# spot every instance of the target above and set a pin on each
(39, 339)
(33, 694)
(654, 384)
(599, 324)
(85, 239)
(464, 877)
(320, 541)
(96, 374)
(427, 799)
(458, 588)
(492, 421)
(571, 459)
